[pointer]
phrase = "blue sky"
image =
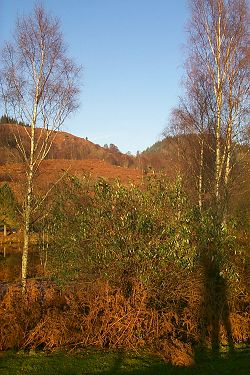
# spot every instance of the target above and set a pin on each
(132, 57)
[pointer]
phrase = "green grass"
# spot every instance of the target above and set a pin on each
(95, 362)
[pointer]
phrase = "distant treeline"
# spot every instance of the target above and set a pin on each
(11, 120)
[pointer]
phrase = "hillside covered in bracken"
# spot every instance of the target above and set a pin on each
(65, 146)
(83, 156)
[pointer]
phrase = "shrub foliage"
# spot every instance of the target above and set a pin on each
(131, 267)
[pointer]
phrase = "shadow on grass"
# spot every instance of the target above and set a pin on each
(89, 363)
(206, 364)
(214, 312)
(117, 363)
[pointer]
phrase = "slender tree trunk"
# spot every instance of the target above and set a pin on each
(229, 142)
(200, 179)
(218, 94)
(29, 194)
(26, 230)
(218, 152)
(228, 163)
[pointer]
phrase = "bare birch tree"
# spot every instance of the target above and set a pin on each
(40, 87)
(217, 87)
(219, 42)
(193, 119)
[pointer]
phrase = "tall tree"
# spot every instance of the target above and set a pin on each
(193, 118)
(39, 86)
(217, 84)
(219, 42)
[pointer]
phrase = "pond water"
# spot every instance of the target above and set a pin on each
(11, 262)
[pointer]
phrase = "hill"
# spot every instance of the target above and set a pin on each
(68, 155)
(160, 156)
(65, 146)
(176, 155)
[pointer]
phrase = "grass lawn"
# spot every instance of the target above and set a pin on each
(88, 362)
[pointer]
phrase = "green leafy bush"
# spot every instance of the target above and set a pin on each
(115, 230)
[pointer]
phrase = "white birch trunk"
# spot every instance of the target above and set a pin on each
(4, 230)
(29, 194)
(200, 179)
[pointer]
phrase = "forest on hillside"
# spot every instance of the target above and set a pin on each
(159, 263)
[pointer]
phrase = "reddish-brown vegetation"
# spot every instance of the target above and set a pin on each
(168, 317)
(51, 170)
(64, 146)
(100, 314)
